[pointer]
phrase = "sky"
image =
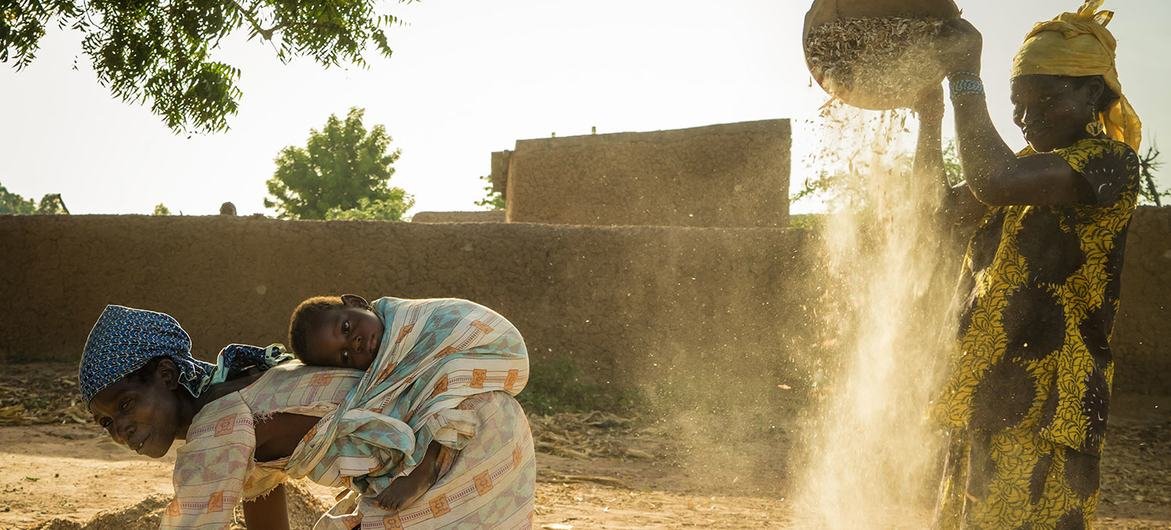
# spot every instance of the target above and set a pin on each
(469, 77)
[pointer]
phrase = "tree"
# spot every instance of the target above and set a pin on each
(52, 204)
(160, 51)
(953, 171)
(1148, 192)
(161, 209)
(493, 200)
(338, 167)
(11, 203)
(831, 185)
(14, 204)
(391, 209)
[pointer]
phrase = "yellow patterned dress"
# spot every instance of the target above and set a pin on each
(1029, 391)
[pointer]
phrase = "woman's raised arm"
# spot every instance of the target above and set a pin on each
(994, 173)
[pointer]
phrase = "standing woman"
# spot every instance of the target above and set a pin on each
(1028, 393)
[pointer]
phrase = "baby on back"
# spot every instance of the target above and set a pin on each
(345, 332)
(341, 331)
(454, 348)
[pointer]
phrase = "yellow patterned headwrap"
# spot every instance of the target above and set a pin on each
(1078, 44)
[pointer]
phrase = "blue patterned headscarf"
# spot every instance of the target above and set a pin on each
(124, 339)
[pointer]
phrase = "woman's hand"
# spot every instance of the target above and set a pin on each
(959, 45)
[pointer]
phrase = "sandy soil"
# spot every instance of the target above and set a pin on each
(595, 471)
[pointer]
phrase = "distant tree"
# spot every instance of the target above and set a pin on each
(826, 184)
(160, 51)
(14, 204)
(952, 169)
(1148, 192)
(338, 167)
(52, 204)
(11, 203)
(493, 200)
(161, 209)
(391, 209)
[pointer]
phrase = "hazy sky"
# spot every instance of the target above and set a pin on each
(469, 77)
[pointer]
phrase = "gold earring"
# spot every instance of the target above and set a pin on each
(1095, 128)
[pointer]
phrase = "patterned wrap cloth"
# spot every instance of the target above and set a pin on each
(1029, 394)
(446, 372)
(124, 339)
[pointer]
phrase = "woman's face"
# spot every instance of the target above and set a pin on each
(142, 415)
(1053, 111)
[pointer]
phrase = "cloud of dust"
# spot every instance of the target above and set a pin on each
(870, 457)
(809, 379)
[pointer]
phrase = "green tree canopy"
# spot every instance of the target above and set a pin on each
(493, 200)
(52, 204)
(828, 185)
(342, 167)
(14, 204)
(391, 209)
(160, 51)
(161, 209)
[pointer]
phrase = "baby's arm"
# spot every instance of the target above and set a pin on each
(403, 491)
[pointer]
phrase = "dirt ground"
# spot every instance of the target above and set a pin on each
(595, 470)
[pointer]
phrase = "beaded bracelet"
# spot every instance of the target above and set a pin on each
(964, 83)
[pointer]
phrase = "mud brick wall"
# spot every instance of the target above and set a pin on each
(733, 175)
(491, 216)
(623, 305)
(627, 306)
(1142, 331)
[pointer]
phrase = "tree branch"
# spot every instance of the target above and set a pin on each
(1148, 165)
(250, 16)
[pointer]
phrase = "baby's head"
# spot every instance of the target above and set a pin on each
(340, 331)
